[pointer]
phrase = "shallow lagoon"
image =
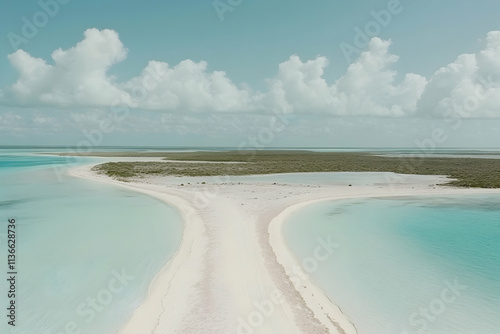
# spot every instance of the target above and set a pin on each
(86, 251)
(408, 264)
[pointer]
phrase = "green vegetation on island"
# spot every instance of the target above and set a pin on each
(466, 172)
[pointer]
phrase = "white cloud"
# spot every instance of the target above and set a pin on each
(78, 77)
(187, 87)
(299, 86)
(368, 88)
(468, 87)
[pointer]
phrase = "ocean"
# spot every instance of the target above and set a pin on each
(86, 252)
(407, 265)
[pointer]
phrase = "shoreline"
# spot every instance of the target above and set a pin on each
(178, 278)
(160, 285)
(315, 297)
(322, 306)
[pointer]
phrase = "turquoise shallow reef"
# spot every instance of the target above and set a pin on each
(86, 251)
(407, 265)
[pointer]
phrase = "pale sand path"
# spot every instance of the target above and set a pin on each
(233, 271)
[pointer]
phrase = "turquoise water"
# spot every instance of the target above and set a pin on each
(86, 251)
(408, 265)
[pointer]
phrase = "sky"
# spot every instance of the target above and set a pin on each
(250, 74)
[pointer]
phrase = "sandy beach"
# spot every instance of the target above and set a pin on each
(234, 272)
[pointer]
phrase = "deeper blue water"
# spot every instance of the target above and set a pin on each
(86, 251)
(407, 265)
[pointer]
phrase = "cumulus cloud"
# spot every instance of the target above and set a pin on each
(187, 86)
(469, 87)
(369, 86)
(79, 77)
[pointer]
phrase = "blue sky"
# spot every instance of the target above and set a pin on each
(253, 46)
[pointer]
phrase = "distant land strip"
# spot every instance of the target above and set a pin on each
(465, 172)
